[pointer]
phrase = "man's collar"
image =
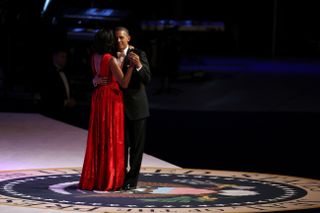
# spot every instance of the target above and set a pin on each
(126, 50)
(57, 66)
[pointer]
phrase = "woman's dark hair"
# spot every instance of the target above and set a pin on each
(104, 41)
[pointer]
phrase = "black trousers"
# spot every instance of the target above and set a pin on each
(135, 136)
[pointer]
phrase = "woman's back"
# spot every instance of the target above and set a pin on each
(101, 66)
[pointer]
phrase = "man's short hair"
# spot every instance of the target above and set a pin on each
(121, 28)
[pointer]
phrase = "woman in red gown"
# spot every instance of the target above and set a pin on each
(103, 167)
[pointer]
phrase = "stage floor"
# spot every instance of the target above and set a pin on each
(41, 161)
(33, 141)
(30, 140)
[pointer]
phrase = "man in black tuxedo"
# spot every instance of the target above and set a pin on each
(56, 94)
(135, 102)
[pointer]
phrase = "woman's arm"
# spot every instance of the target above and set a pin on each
(118, 74)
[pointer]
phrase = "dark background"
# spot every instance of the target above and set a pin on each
(257, 140)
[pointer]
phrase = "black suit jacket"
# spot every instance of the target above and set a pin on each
(53, 92)
(135, 96)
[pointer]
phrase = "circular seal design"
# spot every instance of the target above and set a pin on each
(162, 190)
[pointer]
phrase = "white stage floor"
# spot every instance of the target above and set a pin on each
(32, 141)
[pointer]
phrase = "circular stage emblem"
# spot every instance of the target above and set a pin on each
(162, 190)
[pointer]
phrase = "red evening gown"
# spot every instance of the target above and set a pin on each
(103, 167)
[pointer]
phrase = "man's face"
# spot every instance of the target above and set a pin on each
(60, 59)
(122, 39)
